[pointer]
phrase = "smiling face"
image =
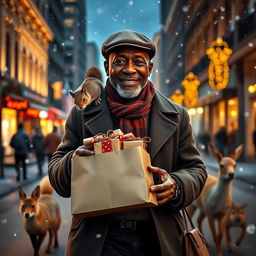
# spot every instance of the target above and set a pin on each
(128, 69)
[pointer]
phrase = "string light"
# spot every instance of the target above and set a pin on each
(218, 71)
(177, 97)
(191, 84)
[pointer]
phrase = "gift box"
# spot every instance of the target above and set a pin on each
(111, 182)
(108, 145)
(134, 143)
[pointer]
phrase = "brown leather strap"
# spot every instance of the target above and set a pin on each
(186, 217)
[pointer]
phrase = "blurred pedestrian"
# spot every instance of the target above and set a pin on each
(21, 144)
(39, 148)
(232, 139)
(52, 141)
(206, 139)
(221, 140)
(254, 141)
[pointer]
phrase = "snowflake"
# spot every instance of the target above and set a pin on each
(4, 221)
(250, 44)
(177, 33)
(237, 17)
(99, 11)
(185, 8)
(181, 45)
(180, 64)
(241, 169)
(222, 9)
(124, 21)
(254, 67)
(179, 56)
(214, 10)
(130, 3)
(98, 236)
(222, 17)
(250, 229)
(215, 22)
(167, 81)
(156, 70)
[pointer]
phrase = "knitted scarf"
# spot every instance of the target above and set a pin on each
(131, 113)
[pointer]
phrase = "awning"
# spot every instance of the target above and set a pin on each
(56, 113)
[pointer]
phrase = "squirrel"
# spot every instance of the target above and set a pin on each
(89, 90)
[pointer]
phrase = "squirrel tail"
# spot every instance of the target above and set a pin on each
(94, 72)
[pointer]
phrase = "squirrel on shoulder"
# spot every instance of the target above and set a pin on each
(89, 90)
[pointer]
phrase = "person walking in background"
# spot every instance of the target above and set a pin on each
(52, 141)
(39, 148)
(221, 138)
(254, 141)
(21, 144)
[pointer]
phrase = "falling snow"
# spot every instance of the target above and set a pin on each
(167, 81)
(241, 169)
(98, 236)
(250, 229)
(237, 17)
(222, 9)
(4, 221)
(250, 44)
(185, 8)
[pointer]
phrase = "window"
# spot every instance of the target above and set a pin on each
(16, 59)
(69, 9)
(8, 54)
(69, 22)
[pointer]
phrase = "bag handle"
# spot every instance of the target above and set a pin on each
(187, 218)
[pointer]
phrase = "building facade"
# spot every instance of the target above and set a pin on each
(75, 41)
(234, 106)
(24, 40)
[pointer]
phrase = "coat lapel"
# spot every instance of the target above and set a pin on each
(98, 118)
(162, 123)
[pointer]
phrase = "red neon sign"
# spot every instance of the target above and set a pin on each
(32, 112)
(16, 104)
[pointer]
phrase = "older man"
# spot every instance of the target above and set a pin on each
(131, 103)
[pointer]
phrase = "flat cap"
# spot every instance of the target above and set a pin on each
(128, 38)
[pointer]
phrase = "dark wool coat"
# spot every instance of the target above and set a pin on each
(172, 148)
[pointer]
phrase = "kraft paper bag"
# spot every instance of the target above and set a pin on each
(111, 182)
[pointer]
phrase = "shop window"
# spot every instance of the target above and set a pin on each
(232, 114)
(69, 9)
(69, 22)
(9, 127)
(221, 113)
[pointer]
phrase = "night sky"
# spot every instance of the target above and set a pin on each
(105, 17)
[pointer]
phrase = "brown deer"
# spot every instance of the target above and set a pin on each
(216, 197)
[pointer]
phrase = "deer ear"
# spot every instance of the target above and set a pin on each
(36, 193)
(215, 152)
(72, 93)
(22, 194)
(237, 152)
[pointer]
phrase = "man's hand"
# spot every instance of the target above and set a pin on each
(167, 189)
(82, 151)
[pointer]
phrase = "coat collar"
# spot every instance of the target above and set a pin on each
(162, 124)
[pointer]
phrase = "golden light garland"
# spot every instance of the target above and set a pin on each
(177, 97)
(218, 70)
(191, 84)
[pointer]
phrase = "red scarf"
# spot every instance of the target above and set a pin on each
(131, 113)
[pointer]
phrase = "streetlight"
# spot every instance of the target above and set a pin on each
(218, 71)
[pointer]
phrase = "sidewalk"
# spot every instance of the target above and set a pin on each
(245, 171)
(9, 184)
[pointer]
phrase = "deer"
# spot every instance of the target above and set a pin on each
(216, 196)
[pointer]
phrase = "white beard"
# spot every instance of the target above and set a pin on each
(127, 94)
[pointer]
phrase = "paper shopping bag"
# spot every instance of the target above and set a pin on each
(111, 182)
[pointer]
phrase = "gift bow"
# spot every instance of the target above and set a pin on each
(100, 137)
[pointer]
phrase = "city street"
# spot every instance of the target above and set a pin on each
(15, 241)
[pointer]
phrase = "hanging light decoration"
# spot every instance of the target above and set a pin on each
(177, 97)
(218, 70)
(191, 84)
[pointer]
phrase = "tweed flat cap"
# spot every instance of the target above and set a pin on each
(128, 38)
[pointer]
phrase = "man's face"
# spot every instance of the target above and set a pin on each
(128, 69)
